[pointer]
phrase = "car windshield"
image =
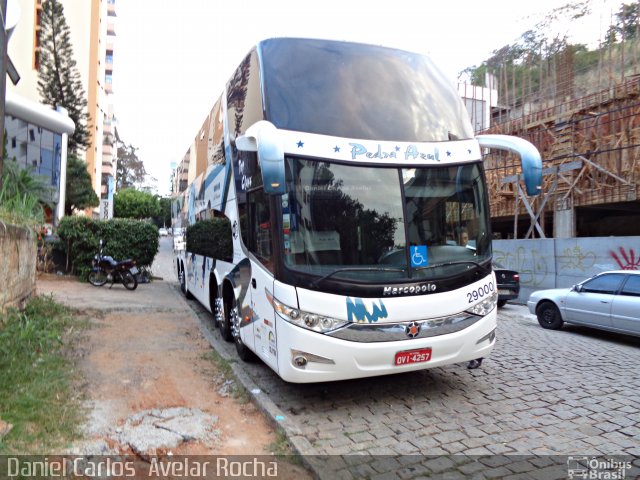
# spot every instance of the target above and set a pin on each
(384, 224)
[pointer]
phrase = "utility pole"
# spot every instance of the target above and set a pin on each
(6, 66)
(3, 79)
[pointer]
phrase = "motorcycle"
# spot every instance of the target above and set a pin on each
(106, 269)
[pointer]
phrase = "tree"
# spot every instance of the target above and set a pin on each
(80, 193)
(628, 18)
(130, 171)
(59, 81)
(130, 203)
(163, 219)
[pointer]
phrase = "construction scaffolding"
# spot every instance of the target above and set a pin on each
(590, 148)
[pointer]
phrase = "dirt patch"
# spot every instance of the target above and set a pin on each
(140, 364)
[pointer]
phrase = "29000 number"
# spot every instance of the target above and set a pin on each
(480, 292)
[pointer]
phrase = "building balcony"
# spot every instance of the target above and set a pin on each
(107, 149)
(108, 169)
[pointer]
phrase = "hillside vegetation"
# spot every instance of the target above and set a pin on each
(542, 67)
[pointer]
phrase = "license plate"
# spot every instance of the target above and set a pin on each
(134, 270)
(408, 357)
(503, 291)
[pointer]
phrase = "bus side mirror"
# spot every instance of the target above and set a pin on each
(263, 137)
(529, 157)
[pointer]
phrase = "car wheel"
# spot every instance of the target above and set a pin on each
(501, 303)
(549, 316)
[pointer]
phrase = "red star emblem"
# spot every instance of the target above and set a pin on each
(412, 330)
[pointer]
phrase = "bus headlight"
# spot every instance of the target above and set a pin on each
(309, 320)
(485, 306)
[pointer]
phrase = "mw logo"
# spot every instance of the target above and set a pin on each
(356, 309)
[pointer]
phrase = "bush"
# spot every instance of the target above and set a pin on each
(123, 238)
(211, 238)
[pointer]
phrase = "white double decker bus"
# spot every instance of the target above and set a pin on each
(347, 180)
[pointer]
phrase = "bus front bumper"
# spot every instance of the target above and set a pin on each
(307, 357)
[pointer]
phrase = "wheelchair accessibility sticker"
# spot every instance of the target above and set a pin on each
(419, 256)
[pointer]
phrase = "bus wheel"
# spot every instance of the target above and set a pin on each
(218, 312)
(183, 284)
(224, 322)
(234, 319)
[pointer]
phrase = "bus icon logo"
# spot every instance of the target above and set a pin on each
(578, 467)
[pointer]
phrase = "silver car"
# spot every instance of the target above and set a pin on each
(609, 301)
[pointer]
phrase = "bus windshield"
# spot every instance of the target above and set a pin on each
(384, 223)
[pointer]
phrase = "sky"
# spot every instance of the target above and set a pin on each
(173, 58)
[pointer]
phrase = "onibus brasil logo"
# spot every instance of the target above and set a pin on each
(585, 467)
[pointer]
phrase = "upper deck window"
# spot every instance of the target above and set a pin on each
(359, 91)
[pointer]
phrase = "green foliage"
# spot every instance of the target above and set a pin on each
(123, 238)
(79, 240)
(164, 218)
(59, 81)
(130, 171)
(79, 191)
(132, 203)
(528, 68)
(627, 20)
(36, 385)
(585, 60)
(211, 238)
(20, 196)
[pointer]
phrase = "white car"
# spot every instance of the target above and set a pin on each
(163, 232)
(608, 301)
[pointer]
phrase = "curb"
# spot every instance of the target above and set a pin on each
(276, 417)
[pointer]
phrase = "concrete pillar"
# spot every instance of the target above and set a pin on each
(564, 223)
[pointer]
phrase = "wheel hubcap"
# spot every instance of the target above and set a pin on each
(234, 319)
(219, 313)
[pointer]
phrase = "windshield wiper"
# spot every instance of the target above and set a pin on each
(317, 282)
(457, 262)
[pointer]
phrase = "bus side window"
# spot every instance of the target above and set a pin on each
(260, 241)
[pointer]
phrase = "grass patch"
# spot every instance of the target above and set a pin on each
(238, 392)
(37, 374)
(282, 449)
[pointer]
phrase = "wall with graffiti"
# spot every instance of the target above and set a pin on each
(551, 263)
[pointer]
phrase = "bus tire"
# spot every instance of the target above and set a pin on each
(183, 284)
(244, 353)
(225, 323)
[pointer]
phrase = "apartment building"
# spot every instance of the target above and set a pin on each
(92, 31)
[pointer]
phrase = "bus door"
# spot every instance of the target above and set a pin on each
(261, 246)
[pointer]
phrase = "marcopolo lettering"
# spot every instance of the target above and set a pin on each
(409, 289)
